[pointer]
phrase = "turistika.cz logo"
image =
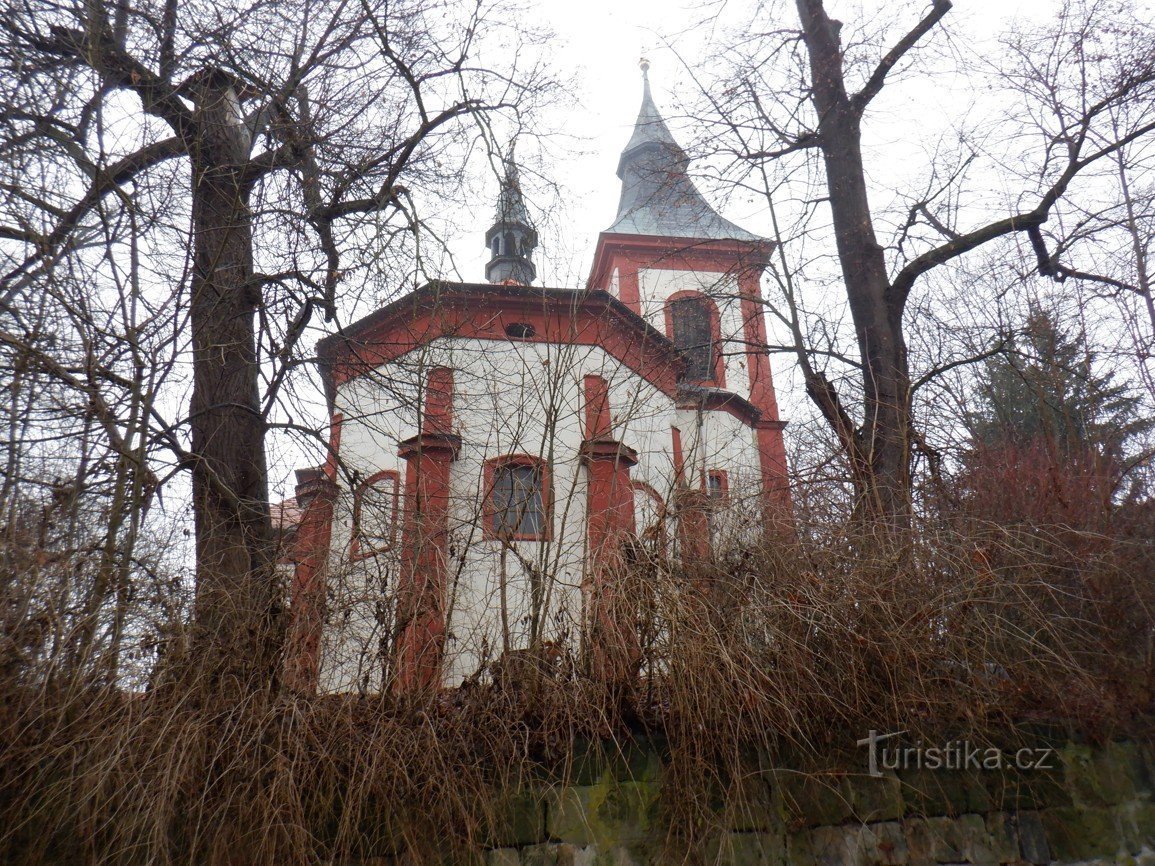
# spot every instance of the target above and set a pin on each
(953, 755)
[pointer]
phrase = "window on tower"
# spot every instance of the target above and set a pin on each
(518, 501)
(692, 325)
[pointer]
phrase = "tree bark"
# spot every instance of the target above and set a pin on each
(237, 632)
(880, 458)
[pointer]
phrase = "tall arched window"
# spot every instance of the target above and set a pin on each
(375, 512)
(693, 327)
(517, 500)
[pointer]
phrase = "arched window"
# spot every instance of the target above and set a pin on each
(649, 513)
(693, 326)
(375, 510)
(717, 487)
(497, 245)
(517, 499)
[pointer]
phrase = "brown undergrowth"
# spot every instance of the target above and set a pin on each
(782, 656)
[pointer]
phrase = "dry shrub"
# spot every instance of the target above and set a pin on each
(783, 655)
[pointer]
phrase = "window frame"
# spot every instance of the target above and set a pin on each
(718, 366)
(723, 497)
(489, 511)
(357, 550)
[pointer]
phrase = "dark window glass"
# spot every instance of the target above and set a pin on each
(693, 336)
(716, 487)
(518, 507)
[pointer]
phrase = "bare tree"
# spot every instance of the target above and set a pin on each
(299, 136)
(1075, 85)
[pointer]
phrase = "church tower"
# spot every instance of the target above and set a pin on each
(511, 239)
(696, 277)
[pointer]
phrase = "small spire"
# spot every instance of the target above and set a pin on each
(511, 239)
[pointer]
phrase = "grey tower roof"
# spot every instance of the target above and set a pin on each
(658, 197)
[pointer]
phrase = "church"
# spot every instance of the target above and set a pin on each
(502, 453)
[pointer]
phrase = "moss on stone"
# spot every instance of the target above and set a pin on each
(1080, 834)
(810, 800)
(876, 799)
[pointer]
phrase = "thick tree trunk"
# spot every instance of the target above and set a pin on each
(237, 631)
(880, 456)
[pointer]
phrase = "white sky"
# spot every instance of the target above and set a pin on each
(599, 44)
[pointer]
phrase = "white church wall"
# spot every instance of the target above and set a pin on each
(509, 398)
(716, 441)
(378, 410)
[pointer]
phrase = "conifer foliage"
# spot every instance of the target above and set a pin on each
(1052, 432)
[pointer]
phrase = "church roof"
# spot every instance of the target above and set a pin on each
(483, 311)
(658, 197)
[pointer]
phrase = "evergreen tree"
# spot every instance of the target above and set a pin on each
(1044, 390)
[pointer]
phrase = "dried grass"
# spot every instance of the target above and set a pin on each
(788, 653)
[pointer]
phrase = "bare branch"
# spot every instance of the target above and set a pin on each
(874, 84)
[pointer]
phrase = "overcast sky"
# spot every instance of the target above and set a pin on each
(597, 47)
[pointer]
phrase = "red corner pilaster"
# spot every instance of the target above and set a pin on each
(316, 494)
(424, 558)
(775, 483)
(609, 521)
(771, 448)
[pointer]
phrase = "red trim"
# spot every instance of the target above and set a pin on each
(610, 497)
(598, 420)
(628, 287)
(489, 512)
(722, 401)
(332, 460)
(316, 492)
(424, 559)
(610, 519)
(476, 312)
(438, 414)
(355, 551)
(757, 358)
(719, 378)
(775, 481)
(629, 253)
(679, 457)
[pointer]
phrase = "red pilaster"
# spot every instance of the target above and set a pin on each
(609, 521)
(425, 541)
(771, 447)
(316, 493)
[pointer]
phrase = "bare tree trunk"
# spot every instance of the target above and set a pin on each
(237, 634)
(880, 454)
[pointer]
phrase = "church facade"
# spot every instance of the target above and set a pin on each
(501, 453)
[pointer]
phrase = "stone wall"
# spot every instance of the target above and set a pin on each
(1092, 805)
